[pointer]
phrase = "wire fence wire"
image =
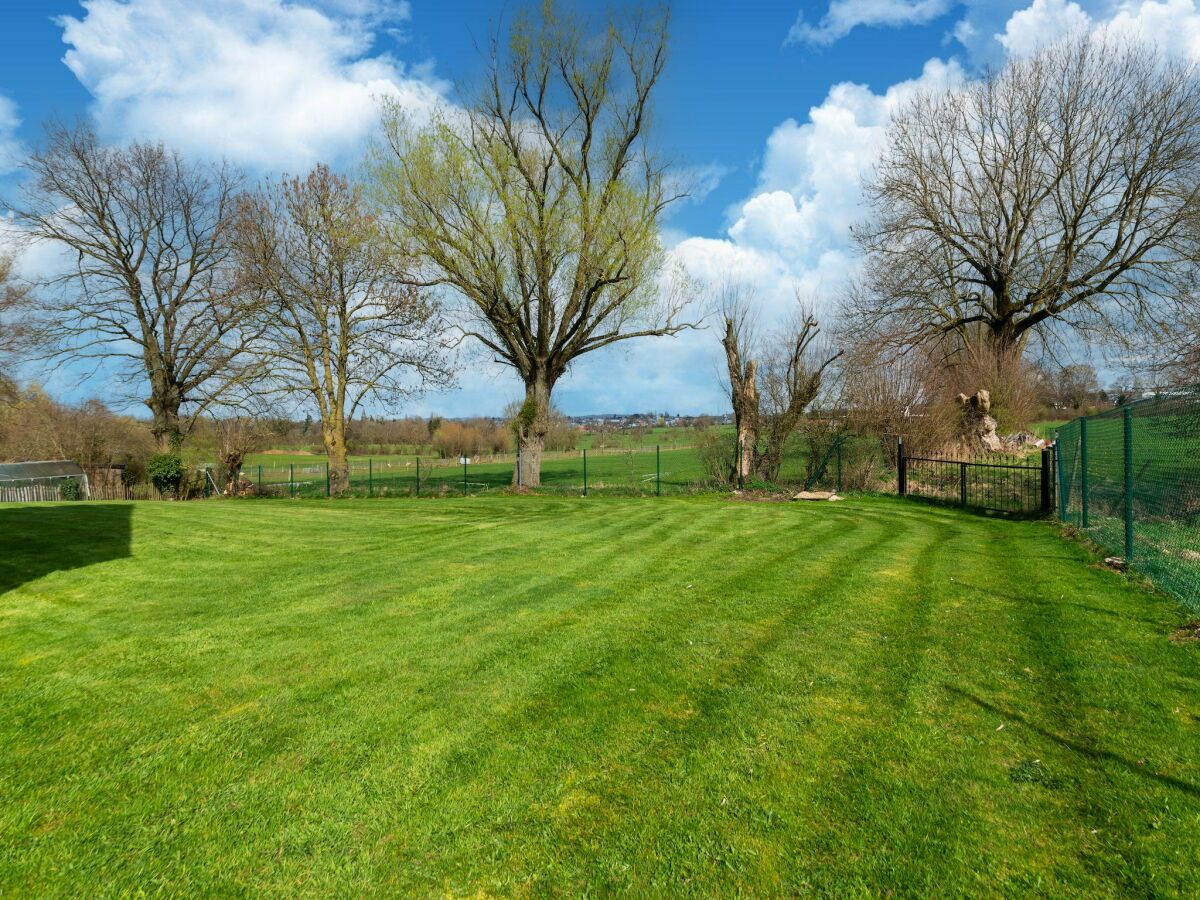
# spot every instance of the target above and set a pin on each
(643, 471)
(1130, 478)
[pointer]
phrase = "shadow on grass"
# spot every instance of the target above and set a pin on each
(979, 511)
(1094, 753)
(38, 539)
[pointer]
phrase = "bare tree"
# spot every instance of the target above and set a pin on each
(770, 393)
(237, 436)
(149, 287)
(892, 394)
(1172, 357)
(1075, 386)
(1057, 191)
(539, 204)
(339, 324)
(17, 332)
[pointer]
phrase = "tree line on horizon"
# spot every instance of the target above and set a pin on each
(1009, 218)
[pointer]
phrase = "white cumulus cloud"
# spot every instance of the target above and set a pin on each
(843, 16)
(1042, 23)
(1172, 25)
(264, 82)
(793, 233)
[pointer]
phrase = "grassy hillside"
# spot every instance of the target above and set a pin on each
(540, 695)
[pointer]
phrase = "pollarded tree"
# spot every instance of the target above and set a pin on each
(148, 288)
(771, 383)
(339, 325)
(1058, 190)
(238, 434)
(539, 204)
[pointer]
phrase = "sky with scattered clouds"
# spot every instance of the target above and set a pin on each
(776, 113)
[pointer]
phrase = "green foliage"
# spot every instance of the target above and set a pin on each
(165, 471)
(70, 489)
(134, 471)
(545, 696)
(523, 420)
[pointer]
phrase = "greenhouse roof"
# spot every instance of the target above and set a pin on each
(27, 471)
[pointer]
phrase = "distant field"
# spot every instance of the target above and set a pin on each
(607, 469)
(1046, 429)
(549, 696)
(673, 466)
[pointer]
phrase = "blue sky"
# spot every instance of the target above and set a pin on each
(776, 108)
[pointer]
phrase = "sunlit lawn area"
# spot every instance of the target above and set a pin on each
(510, 695)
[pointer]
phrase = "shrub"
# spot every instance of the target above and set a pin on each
(718, 454)
(166, 471)
(134, 471)
(70, 490)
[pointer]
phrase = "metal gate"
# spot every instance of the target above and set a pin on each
(1023, 485)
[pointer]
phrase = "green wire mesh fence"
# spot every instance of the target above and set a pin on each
(1130, 478)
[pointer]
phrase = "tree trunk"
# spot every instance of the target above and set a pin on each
(743, 396)
(533, 423)
(164, 402)
(339, 465)
(747, 445)
(165, 426)
(745, 421)
(233, 478)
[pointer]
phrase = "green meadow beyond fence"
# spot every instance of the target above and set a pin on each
(637, 471)
(1130, 479)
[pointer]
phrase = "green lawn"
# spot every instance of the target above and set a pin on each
(509, 695)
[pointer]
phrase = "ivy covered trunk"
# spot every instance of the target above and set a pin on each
(532, 425)
(164, 404)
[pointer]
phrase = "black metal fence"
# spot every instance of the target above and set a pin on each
(1021, 485)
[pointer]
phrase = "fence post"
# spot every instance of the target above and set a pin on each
(291, 479)
(962, 483)
(1128, 485)
(1062, 488)
(370, 477)
(657, 473)
(839, 464)
(1083, 465)
(464, 462)
(1047, 505)
(585, 471)
(901, 468)
(418, 476)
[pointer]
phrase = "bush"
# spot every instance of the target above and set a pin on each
(134, 471)
(70, 490)
(166, 471)
(717, 451)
